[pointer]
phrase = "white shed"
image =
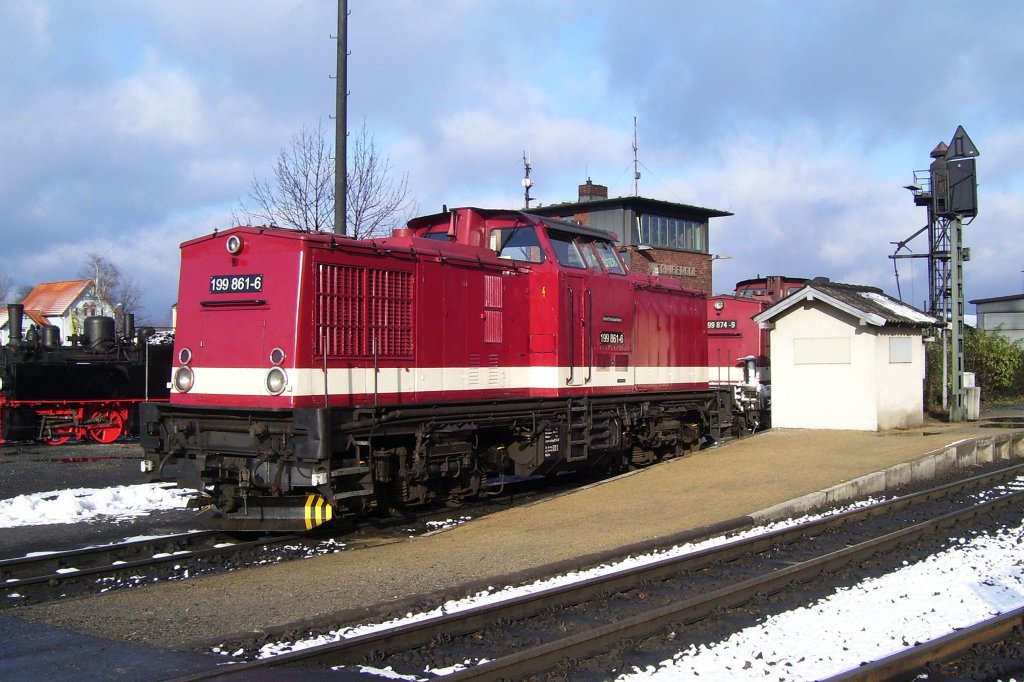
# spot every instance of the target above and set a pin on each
(846, 357)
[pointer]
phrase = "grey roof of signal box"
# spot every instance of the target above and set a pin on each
(870, 305)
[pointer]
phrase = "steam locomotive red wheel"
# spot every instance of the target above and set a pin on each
(108, 428)
(58, 439)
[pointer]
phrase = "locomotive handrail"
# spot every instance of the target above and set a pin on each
(572, 337)
(588, 335)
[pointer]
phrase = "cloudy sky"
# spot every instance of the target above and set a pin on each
(129, 127)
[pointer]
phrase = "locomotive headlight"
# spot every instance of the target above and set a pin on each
(719, 304)
(277, 380)
(276, 356)
(184, 356)
(183, 379)
(233, 244)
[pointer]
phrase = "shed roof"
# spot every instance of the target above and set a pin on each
(998, 299)
(870, 305)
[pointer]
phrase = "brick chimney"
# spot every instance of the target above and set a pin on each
(592, 192)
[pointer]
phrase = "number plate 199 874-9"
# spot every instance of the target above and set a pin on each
(236, 284)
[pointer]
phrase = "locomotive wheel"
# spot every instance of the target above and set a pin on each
(107, 432)
(58, 439)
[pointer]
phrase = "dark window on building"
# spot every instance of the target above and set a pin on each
(671, 233)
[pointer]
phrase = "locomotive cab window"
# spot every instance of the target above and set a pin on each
(564, 246)
(517, 243)
(609, 258)
(587, 249)
(438, 235)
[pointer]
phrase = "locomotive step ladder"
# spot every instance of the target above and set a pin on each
(578, 425)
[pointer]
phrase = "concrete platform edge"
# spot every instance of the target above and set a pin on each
(960, 454)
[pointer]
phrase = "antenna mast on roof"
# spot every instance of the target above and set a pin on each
(636, 163)
(527, 182)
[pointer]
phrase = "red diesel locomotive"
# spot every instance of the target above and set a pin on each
(318, 376)
(738, 349)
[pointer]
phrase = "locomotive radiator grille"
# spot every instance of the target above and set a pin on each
(364, 311)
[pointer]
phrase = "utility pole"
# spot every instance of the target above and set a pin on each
(340, 121)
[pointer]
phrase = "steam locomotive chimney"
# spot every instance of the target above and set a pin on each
(15, 315)
(129, 326)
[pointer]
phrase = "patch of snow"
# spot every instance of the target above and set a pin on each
(86, 504)
(901, 309)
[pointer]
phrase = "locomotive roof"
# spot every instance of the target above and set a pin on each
(533, 218)
(574, 228)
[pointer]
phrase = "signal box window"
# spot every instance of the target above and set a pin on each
(517, 243)
(671, 233)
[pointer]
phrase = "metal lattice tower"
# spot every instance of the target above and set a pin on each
(949, 192)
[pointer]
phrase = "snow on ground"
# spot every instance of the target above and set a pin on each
(86, 504)
(974, 580)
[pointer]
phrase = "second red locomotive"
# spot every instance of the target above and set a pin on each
(318, 376)
(738, 349)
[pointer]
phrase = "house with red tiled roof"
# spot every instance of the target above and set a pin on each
(64, 305)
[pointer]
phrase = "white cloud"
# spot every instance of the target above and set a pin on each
(152, 118)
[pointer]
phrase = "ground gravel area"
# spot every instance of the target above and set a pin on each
(711, 487)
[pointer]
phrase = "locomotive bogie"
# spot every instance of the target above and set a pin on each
(471, 346)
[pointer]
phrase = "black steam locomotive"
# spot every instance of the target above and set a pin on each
(90, 389)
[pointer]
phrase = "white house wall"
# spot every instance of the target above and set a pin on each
(900, 395)
(823, 390)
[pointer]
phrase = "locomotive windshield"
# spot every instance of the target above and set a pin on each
(564, 245)
(517, 243)
(609, 258)
(579, 251)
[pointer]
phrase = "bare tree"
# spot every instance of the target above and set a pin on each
(112, 284)
(376, 203)
(302, 192)
(6, 287)
(22, 292)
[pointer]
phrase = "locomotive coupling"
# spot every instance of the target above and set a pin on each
(290, 513)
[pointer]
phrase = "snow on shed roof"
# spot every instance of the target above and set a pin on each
(870, 305)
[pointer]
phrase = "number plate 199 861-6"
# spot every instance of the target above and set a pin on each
(236, 284)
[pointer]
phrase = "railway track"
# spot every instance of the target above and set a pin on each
(43, 577)
(60, 574)
(656, 604)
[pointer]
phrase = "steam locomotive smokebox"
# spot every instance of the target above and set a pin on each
(99, 330)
